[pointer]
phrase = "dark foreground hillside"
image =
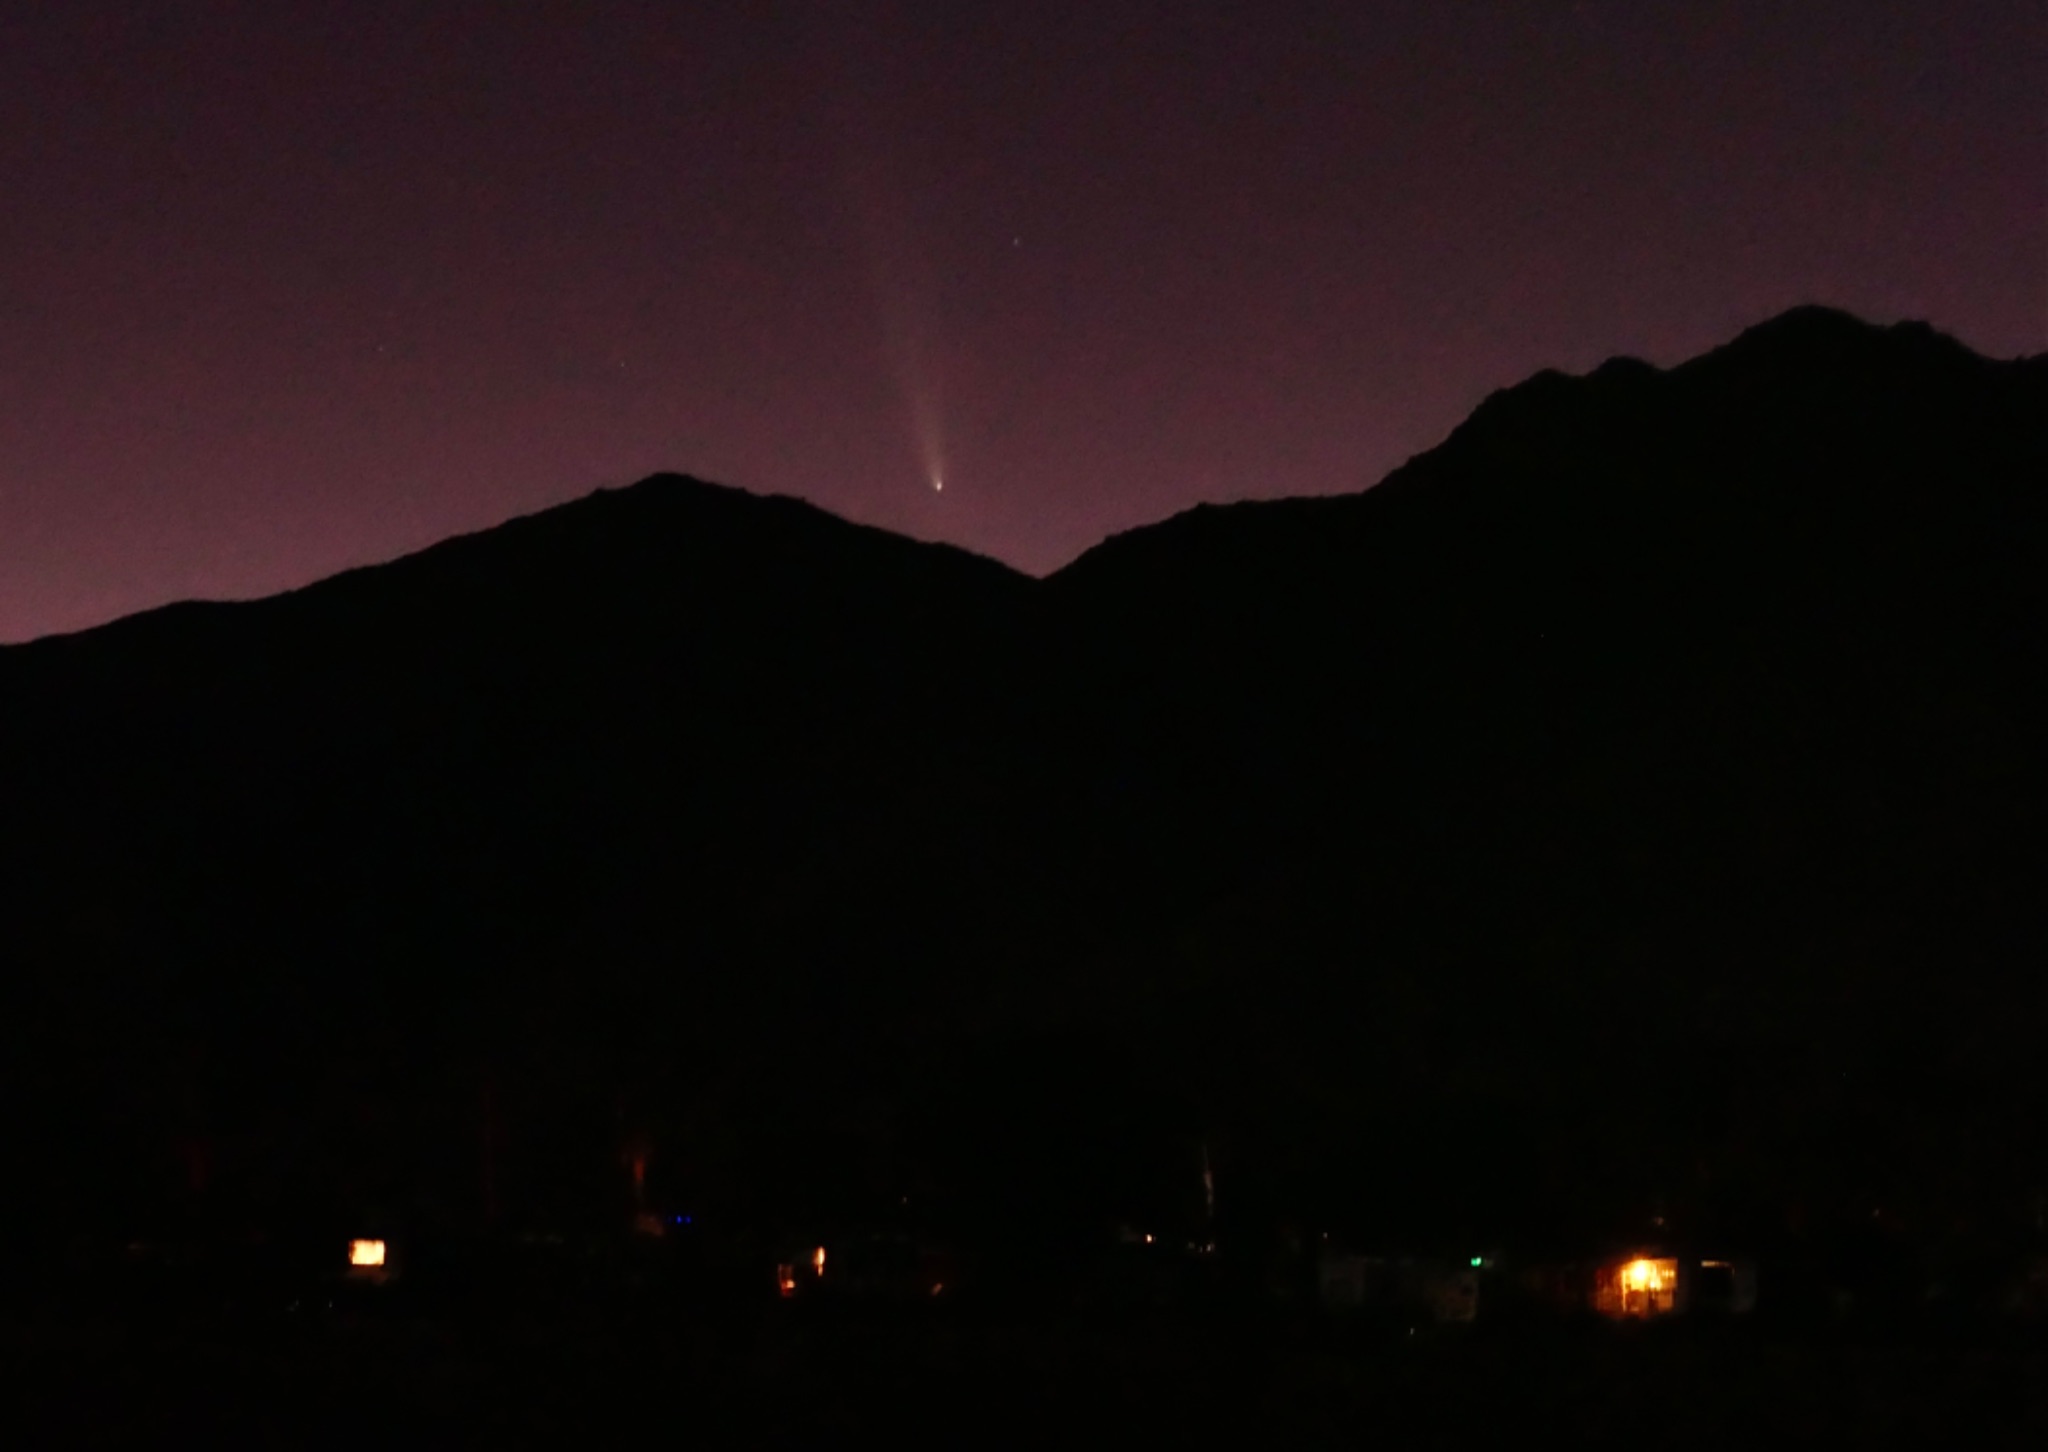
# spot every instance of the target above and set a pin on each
(775, 1382)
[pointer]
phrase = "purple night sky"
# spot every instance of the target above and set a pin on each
(286, 288)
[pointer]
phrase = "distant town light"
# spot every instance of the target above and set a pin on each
(366, 1252)
(1639, 1286)
(785, 1279)
(818, 1260)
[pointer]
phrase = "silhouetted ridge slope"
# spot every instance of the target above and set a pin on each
(1708, 697)
(639, 749)
(1766, 382)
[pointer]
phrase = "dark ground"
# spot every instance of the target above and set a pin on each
(799, 1380)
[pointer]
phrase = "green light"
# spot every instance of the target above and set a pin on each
(1478, 1260)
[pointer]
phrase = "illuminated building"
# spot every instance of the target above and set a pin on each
(1649, 1284)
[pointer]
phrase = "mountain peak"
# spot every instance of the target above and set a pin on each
(1816, 320)
(1813, 335)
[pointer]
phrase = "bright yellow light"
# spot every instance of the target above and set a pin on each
(1641, 1286)
(366, 1252)
(818, 1260)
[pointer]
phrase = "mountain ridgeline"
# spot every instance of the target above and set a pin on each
(1639, 799)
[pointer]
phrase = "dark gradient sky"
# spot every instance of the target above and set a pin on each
(290, 287)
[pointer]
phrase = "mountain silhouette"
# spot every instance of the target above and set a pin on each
(1654, 762)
